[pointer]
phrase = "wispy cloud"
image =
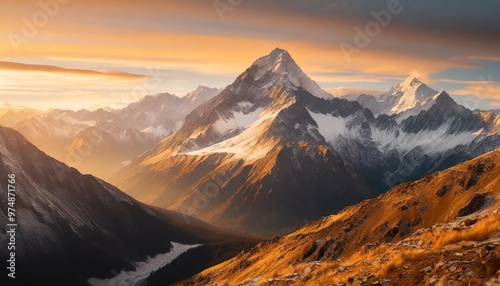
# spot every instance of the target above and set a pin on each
(117, 39)
(13, 66)
(483, 89)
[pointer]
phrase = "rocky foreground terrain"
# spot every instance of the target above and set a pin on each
(441, 230)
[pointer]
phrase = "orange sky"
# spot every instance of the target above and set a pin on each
(114, 52)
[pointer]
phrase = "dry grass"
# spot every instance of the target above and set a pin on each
(398, 259)
(327, 266)
(478, 232)
(360, 256)
(473, 282)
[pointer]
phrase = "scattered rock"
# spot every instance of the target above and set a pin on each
(310, 250)
(426, 269)
(324, 248)
(383, 227)
(443, 191)
(479, 169)
(489, 247)
(339, 248)
(341, 269)
(369, 246)
(477, 202)
(349, 228)
(391, 233)
(403, 227)
(470, 222)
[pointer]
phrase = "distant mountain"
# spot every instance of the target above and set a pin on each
(11, 117)
(101, 141)
(162, 114)
(82, 226)
(400, 148)
(442, 229)
(267, 154)
(411, 96)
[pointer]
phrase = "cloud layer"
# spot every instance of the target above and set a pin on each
(210, 42)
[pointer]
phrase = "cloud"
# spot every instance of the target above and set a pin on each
(482, 89)
(128, 36)
(12, 66)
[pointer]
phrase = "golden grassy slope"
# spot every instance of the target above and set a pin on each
(411, 235)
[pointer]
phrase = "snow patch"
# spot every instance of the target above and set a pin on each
(243, 145)
(432, 141)
(157, 131)
(143, 269)
(239, 120)
(329, 126)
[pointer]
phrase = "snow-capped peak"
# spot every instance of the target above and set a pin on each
(411, 81)
(280, 68)
(409, 94)
(412, 90)
(277, 60)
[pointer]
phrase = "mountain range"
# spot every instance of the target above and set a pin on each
(270, 153)
(400, 189)
(101, 141)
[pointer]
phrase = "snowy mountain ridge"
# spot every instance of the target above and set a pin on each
(99, 141)
(273, 139)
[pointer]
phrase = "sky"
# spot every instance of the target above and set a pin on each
(89, 54)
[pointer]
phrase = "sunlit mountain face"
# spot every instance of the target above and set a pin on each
(249, 142)
(270, 153)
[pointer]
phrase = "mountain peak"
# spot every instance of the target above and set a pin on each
(445, 103)
(444, 98)
(411, 81)
(279, 68)
(202, 93)
(278, 60)
(278, 52)
(406, 95)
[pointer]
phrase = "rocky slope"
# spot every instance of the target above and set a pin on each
(71, 227)
(441, 230)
